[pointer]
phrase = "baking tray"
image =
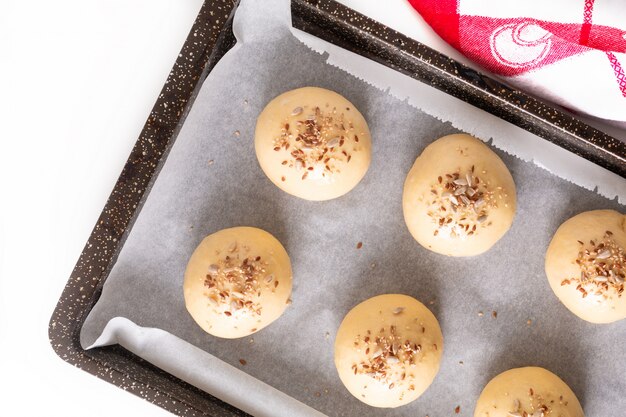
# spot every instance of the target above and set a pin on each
(210, 37)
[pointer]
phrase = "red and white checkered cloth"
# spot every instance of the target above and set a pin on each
(572, 52)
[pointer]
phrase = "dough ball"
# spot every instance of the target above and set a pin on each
(313, 143)
(388, 349)
(586, 265)
(237, 282)
(459, 197)
(527, 392)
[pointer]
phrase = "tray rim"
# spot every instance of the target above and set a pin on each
(117, 365)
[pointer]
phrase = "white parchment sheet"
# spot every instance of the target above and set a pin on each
(211, 180)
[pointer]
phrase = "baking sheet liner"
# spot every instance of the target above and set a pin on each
(211, 180)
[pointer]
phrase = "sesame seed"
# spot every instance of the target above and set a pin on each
(333, 142)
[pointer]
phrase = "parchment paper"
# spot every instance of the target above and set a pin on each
(211, 180)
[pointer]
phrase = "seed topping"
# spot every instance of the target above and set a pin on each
(317, 141)
(460, 202)
(233, 284)
(602, 264)
(537, 406)
(389, 356)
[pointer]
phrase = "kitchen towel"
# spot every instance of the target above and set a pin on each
(571, 52)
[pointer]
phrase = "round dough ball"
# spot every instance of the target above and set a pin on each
(459, 197)
(586, 265)
(237, 282)
(527, 392)
(313, 143)
(388, 349)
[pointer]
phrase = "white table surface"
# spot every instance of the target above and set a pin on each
(79, 78)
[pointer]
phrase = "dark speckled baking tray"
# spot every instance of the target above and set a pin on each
(210, 37)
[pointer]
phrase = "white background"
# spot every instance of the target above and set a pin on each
(78, 79)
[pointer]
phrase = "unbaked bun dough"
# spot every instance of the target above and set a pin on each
(313, 143)
(586, 265)
(459, 197)
(388, 349)
(527, 392)
(237, 282)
